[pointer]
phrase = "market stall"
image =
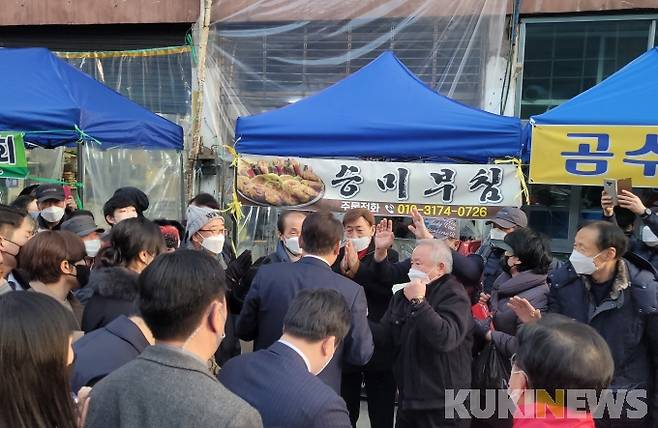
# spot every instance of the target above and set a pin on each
(48, 104)
(344, 147)
(608, 131)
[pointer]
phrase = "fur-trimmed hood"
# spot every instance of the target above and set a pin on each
(114, 282)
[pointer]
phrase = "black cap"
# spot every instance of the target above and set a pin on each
(47, 192)
(510, 217)
(138, 198)
(81, 225)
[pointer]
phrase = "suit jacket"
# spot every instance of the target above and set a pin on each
(277, 284)
(166, 387)
(278, 384)
(102, 351)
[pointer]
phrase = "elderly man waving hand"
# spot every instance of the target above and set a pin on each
(428, 324)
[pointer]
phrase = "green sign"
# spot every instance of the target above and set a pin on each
(13, 163)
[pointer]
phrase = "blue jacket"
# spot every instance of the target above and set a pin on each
(102, 351)
(278, 384)
(627, 319)
(277, 284)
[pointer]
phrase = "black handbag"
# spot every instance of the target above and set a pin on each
(490, 369)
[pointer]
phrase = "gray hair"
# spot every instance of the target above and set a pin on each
(439, 252)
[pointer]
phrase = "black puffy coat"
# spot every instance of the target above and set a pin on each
(528, 285)
(114, 293)
(432, 343)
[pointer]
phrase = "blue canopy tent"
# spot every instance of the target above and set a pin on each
(55, 104)
(607, 131)
(381, 111)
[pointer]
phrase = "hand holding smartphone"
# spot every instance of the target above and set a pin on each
(613, 187)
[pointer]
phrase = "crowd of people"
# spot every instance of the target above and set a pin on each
(140, 323)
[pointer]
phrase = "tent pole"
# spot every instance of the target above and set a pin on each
(182, 186)
(81, 173)
(197, 108)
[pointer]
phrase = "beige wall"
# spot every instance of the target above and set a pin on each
(40, 12)
(246, 10)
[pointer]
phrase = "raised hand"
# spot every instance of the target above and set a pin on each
(631, 202)
(416, 289)
(418, 227)
(524, 309)
(384, 239)
(606, 204)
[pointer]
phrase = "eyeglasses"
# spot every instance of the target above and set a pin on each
(215, 231)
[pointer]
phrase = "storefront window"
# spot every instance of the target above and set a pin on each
(590, 204)
(563, 59)
(548, 211)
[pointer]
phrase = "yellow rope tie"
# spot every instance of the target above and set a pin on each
(525, 193)
(235, 206)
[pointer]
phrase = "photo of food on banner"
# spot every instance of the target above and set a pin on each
(279, 182)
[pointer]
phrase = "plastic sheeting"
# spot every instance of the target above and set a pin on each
(265, 54)
(156, 172)
(161, 81)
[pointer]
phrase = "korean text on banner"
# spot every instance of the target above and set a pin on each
(385, 188)
(585, 155)
(13, 163)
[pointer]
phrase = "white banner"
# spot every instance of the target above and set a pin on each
(385, 188)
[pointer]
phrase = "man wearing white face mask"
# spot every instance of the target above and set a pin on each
(85, 227)
(354, 261)
(280, 381)
(429, 325)
(51, 201)
(276, 285)
(289, 226)
(206, 233)
(618, 297)
(205, 230)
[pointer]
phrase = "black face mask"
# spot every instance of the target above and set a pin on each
(82, 274)
(504, 265)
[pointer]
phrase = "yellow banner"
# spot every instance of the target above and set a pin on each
(585, 155)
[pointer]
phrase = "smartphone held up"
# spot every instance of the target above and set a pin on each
(613, 187)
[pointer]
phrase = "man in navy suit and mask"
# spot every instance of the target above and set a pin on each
(276, 285)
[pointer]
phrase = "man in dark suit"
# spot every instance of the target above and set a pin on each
(276, 285)
(102, 351)
(280, 381)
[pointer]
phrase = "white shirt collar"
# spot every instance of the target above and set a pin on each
(296, 349)
(317, 257)
(12, 279)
